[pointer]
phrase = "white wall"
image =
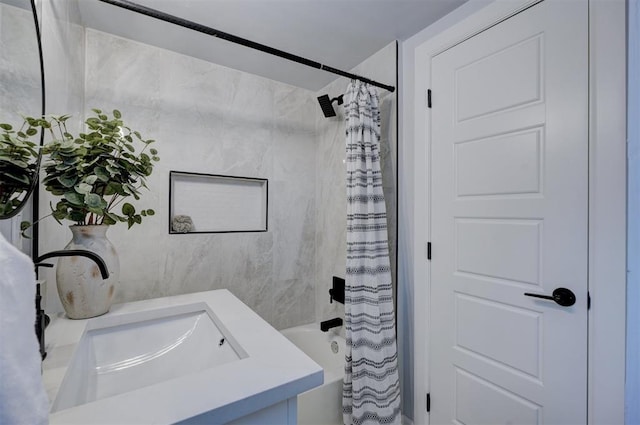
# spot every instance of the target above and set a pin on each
(63, 46)
(633, 214)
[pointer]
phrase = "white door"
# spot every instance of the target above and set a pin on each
(509, 160)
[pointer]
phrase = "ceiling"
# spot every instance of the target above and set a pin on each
(336, 33)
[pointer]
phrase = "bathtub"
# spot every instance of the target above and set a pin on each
(321, 405)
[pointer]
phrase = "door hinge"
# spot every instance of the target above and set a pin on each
(428, 250)
(588, 301)
(429, 98)
(428, 402)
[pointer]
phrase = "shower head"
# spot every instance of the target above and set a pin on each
(327, 104)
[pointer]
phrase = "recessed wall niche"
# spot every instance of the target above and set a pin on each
(212, 203)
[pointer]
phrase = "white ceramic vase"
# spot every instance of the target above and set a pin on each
(83, 291)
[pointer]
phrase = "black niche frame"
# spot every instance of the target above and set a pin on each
(223, 176)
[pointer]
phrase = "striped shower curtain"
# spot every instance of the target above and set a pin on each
(371, 393)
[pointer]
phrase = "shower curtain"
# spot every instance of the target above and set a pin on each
(371, 392)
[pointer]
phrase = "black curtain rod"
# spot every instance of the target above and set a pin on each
(134, 7)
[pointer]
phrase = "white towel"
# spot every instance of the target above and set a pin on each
(22, 396)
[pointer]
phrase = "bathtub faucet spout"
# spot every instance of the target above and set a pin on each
(331, 323)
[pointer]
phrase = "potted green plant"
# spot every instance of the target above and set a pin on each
(93, 173)
(19, 162)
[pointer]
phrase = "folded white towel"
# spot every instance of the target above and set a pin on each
(22, 396)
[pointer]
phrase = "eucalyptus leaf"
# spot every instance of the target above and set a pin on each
(128, 209)
(74, 198)
(93, 200)
(17, 162)
(113, 171)
(59, 215)
(102, 174)
(68, 181)
(96, 210)
(16, 179)
(113, 188)
(76, 215)
(108, 220)
(84, 188)
(24, 226)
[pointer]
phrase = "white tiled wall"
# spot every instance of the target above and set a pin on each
(63, 46)
(210, 119)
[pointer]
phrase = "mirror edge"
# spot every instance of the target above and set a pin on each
(34, 185)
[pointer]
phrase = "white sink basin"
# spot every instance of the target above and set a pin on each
(126, 352)
(159, 361)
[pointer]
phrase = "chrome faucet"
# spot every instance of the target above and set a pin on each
(42, 320)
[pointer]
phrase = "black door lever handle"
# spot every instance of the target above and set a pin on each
(562, 296)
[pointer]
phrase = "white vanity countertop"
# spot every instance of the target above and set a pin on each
(274, 370)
